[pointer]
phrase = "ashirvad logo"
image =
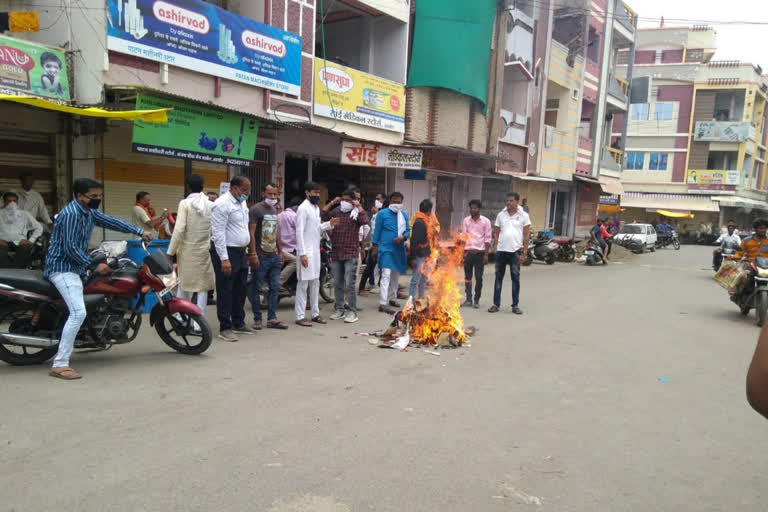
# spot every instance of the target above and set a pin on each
(181, 17)
(264, 44)
(337, 80)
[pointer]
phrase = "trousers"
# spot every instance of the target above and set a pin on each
(230, 306)
(301, 298)
(388, 285)
(473, 264)
(344, 275)
(504, 259)
(290, 267)
(418, 279)
(70, 287)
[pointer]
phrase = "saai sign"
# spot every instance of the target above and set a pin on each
(368, 154)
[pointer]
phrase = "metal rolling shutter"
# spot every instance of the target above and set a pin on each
(28, 151)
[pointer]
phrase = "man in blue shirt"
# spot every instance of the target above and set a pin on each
(68, 259)
(389, 236)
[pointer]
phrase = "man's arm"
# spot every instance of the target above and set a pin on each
(35, 227)
(219, 218)
(301, 224)
(105, 221)
(69, 228)
(496, 231)
(757, 375)
(42, 211)
(253, 256)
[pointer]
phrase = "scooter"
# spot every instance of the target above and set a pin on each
(594, 254)
(542, 248)
(33, 314)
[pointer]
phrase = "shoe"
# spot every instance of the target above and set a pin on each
(362, 293)
(374, 289)
(516, 310)
(228, 335)
(350, 318)
(493, 309)
(211, 302)
(243, 329)
(466, 304)
(337, 315)
(304, 322)
(476, 305)
(383, 308)
(394, 304)
(319, 320)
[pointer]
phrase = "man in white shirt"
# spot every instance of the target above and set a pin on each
(729, 240)
(31, 201)
(230, 238)
(510, 242)
(18, 233)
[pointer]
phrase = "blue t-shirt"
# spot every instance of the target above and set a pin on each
(596, 231)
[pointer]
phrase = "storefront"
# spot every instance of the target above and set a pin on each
(588, 202)
(535, 190)
(561, 209)
(650, 208)
(742, 211)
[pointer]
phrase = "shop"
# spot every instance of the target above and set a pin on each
(743, 211)
(588, 202)
(688, 211)
(561, 208)
(536, 190)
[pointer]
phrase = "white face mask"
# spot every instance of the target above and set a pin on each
(271, 202)
(379, 204)
(11, 212)
(396, 207)
(345, 206)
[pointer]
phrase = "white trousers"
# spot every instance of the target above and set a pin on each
(301, 298)
(202, 298)
(388, 285)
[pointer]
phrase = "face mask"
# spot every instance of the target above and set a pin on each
(345, 206)
(314, 199)
(12, 207)
(242, 198)
(379, 204)
(396, 207)
(94, 204)
(271, 202)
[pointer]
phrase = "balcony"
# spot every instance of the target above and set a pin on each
(616, 154)
(618, 90)
(723, 131)
(610, 162)
(513, 127)
(626, 20)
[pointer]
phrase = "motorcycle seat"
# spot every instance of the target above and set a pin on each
(28, 280)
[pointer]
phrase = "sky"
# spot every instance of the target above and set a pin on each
(734, 41)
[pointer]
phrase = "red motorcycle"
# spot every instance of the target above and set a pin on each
(566, 250)
(32, 313)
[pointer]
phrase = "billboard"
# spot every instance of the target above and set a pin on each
(710, 177)
(196, 132)
(723, 131)
(28, 69)
(356, 97)
(367, 154)
(196, 35)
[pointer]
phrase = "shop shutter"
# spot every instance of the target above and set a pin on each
(28, 151)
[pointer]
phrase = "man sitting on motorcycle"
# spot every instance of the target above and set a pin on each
(755, 246)
(729, 244)
(18, 233)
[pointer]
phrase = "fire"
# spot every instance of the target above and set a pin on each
(436, 317)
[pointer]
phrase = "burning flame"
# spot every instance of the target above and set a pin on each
(436, 317)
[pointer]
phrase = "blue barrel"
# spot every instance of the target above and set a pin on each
(135, 252)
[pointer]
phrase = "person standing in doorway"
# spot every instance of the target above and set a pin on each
(266, 256)
(423, 242)
(31, 201)
(144, 216)
(308, 231)
(68, 260)
(389, 238)
(230, 237)
(510, 242)
(345, 241)
(478, 231)
(525, 205)
(191, 242)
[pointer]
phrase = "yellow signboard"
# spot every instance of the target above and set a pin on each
(710, 177)
(356, 97)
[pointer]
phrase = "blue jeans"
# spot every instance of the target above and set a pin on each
(418, 280)
(344, 274)
(269, 268)
(70, 287)
(502, 260)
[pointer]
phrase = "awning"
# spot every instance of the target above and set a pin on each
(535, 178)
(150, 116)
(670, 202)
(676, 215)
(611, 186)
(588, 180)
(610, 208)
(741, 202)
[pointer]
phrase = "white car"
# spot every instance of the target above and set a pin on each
(643, 233)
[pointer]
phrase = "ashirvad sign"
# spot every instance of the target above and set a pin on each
(196, 132)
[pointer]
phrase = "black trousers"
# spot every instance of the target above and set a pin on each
(370, 265)
(232, 289)
(473, 263)
(16, 257)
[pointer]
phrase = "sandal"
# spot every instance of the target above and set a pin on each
(65, 373)
(256, 326)
(276, 324)
(304, 322)
(319, 320)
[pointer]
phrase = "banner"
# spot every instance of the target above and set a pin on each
(709, 177)
(358, 97)
(196, 35)
(33, 70)
(723, 131)
(366, 154)
(196, 132)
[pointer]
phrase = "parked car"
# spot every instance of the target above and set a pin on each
(644, 233)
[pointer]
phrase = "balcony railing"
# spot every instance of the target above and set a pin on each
(626, 16)
(616, 154)
(618, 88)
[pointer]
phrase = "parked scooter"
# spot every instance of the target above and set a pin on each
(32, 313)
(594, 254)
(542, 248)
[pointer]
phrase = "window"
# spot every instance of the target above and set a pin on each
(635, 161)
(639, 111)
(657, 57)
(657, 161)
(663, 111)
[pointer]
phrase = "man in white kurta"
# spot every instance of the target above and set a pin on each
(308, 232)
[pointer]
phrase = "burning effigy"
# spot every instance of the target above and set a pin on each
(435, 319)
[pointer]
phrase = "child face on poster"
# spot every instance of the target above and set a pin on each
(51, 79)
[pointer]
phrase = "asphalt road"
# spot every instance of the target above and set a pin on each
(620, 389)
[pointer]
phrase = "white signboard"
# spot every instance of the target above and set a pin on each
(368, 154)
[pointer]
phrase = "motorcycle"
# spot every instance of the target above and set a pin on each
(755, 294)
(593, 254)
(667, 239)
(630, 243)
(33, 314)
(566, 250)
(542, 248)
(721, 255)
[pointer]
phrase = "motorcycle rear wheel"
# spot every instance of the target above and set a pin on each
(14, 321)
(569, 255)
(549, 259)
(180, 334)
(327, 284)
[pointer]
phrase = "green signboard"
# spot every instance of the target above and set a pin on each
(196, 132)
(32, 70)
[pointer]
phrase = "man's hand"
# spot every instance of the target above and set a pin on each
(253, 260)
(305, 261)
(485, 258)
(336, 200)
(335, 221)
(226, 267)
(399, 240)
(103, 269)
(166, 213)
(523, 255)
(147, 235)
(25, 242)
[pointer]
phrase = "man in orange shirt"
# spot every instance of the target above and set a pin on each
(755, 246)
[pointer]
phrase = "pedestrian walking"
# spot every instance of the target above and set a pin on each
(191, 242)
(265, 256)
(369, 275)
(478, 231)
(144, 216)
(392, 230)
(345, 243)
(423, 242)
(512, 230)
(230, 237)
(308, 230)
(68, 259)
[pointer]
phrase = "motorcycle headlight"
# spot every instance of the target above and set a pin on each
(762, 272)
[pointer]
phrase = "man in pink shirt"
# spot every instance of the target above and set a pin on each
(286, 222)
(478, 242)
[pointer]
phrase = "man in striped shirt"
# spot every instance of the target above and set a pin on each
(68, 259)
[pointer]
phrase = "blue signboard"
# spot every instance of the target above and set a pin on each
(199, 36)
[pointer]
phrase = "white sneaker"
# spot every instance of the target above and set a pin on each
(350, 318)
(337, 315)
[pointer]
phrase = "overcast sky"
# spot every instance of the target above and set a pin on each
(739, 42)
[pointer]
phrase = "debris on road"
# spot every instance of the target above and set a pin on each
(510, 493)
(432, 352)
(665, 380)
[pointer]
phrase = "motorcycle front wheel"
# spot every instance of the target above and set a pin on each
(676, 244)
(18, 321)
(181, 334)
(569, 255)
(327, 284)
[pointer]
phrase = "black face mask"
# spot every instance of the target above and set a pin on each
(314, 199)
(94, 204)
